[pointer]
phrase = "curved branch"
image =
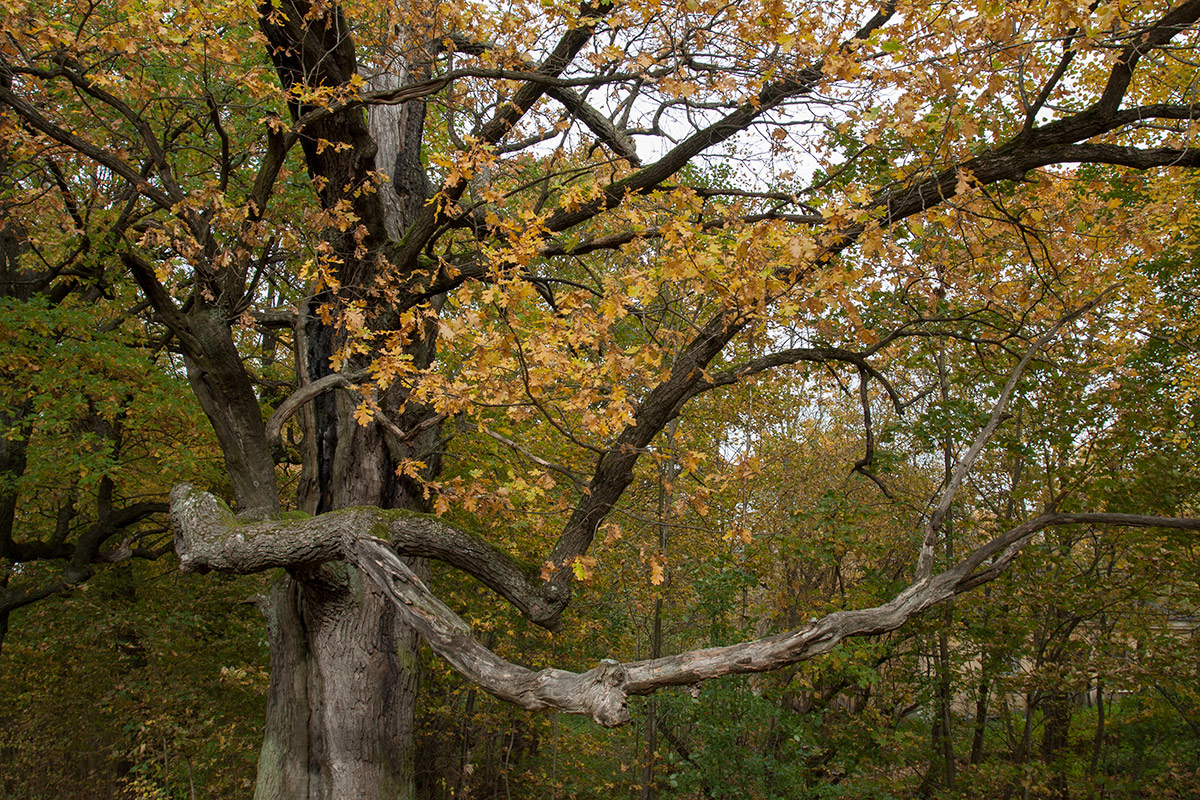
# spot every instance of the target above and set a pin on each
(796, 355)
(337, 380)
(296, 400)
(603, 692)
(209, 537)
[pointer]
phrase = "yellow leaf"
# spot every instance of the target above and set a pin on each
(658, 565)
(691, 460)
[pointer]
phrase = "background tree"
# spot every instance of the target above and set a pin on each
(504, 226)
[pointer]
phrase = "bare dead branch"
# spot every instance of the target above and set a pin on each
(603, 692)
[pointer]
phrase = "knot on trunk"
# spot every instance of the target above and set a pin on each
(193, 514)
(604, 694)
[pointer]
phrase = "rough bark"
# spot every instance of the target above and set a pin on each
(331, 732)
(343, 661)
(335, 635)
(223, 388)
(244, 547)
(227, 396)
(603, 692)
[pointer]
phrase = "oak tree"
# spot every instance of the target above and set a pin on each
(559, 229)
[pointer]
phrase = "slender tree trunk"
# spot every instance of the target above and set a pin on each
(652, 710)
(666, 473)
(12, 467)
(1025, 744)
(12, 448)
(1098, 743)
(943, 736)
(1056, 724)
(943, 732)
(981, 709)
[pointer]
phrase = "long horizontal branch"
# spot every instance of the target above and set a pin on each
(615, 241)
(209, 537)
(796, 355)
(603, 692)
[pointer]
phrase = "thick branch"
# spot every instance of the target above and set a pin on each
(87, 549)
(603, 691)
(208, 536)
(170, 314)
(614, 470)
(306, 393)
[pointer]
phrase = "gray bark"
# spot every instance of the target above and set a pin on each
(227, 396)
(339, 718)
(602, 692)
(343, 657)
(254, 546)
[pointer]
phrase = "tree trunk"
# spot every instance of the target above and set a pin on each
(1098, 742)
(343, 692)
(1056, 724)
(943, 730)
(943, 735)
(12, 447)
(979, 733)
(344, 677)
(225, 392)
(343, 666)
(343, 673)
